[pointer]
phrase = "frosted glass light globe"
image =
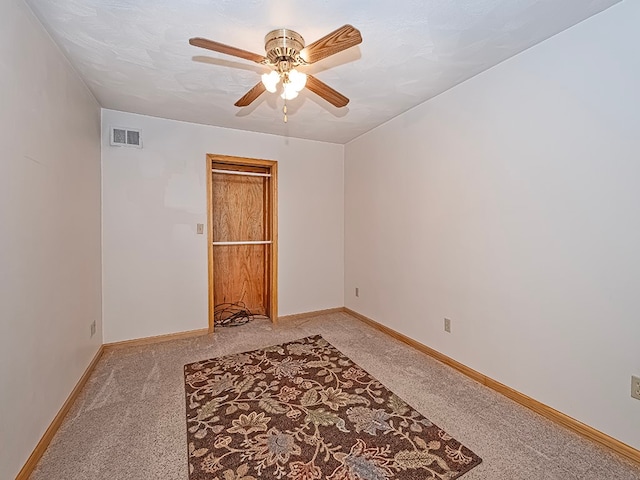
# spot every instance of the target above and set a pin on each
(270, 80)
(289, 92)
(297, 79)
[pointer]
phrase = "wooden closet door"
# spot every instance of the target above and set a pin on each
(239, 205)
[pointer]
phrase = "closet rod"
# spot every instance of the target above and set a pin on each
(238, 172)
(265, 242)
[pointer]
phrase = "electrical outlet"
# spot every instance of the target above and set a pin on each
(93, 328)
(200, 228)
(447, 325)
(357, 292)
(635, 387)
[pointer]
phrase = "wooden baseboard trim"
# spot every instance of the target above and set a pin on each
(554, 415)
(316, 313)
(205, 331)
(136, 342)
(44, 442)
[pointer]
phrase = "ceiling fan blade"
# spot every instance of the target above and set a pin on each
(226, 49)
(325, 91)
(251, 95)
(337, 41)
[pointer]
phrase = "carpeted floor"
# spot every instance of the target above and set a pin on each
(129, 423)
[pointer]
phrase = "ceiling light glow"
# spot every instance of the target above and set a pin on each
(289, 91)
(270, 80)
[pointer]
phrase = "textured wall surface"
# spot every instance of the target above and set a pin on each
(510, 205)
(50, 273)
(155, 265)
(135, 56)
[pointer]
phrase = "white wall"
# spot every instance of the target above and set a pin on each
(511, 205)
(155, 265)
(50, 273)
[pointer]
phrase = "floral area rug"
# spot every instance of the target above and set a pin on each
(304, 411)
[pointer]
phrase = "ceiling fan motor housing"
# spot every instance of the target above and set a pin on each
(284, 46)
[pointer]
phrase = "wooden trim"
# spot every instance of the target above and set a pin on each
(136, 342)
(566, 421)
(477, 376)
(247, 242)
(571, 423)
(210, 241)
(266, 233)
(240, 161)
(273, 268)
(298, 316)
(272, 165)
(235, 172)
(44, 442)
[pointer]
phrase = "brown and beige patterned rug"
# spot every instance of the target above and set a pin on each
(304, 411)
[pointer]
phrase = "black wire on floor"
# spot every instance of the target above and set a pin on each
(231, 315)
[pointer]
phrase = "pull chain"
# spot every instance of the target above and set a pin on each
(284, 110)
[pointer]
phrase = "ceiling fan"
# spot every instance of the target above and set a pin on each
(285, 51)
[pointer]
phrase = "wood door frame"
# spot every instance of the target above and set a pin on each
(272, 212)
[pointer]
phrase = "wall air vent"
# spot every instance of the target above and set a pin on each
(125, 137)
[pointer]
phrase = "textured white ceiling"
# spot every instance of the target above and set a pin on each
(135, 56)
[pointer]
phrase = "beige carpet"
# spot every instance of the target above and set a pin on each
(129, 424)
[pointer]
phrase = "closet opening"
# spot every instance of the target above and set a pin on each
(242, 225)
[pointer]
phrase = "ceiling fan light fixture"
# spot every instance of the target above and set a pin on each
(288, 91)
(297, 79)
(270, 80)
(285, 50)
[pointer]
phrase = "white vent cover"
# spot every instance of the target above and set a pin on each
(125, 137)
